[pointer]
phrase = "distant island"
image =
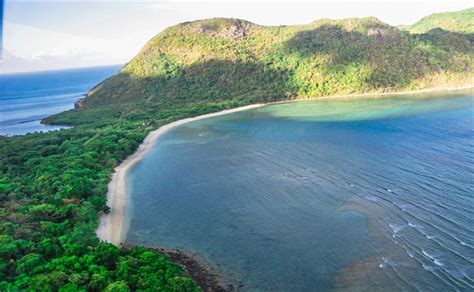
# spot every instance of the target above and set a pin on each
(53, 185)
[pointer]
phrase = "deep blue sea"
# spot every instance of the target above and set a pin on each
(351, 195)
(26, 98)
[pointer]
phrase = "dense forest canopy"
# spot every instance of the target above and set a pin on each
(458, 21)
(53, 185)
(231, 59)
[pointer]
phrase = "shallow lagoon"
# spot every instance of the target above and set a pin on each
(318, 195)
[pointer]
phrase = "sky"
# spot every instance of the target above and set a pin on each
(50, 35)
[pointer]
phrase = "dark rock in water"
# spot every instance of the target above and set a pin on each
(206, 279)
(202, 274)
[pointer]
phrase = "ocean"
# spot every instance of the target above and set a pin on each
(26, 98)
(373, 194)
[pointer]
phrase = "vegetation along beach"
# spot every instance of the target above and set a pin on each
(192, 166)
(113, 225)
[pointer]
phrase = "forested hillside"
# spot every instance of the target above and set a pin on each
(222, 60)
(458, 21)
(53, 185)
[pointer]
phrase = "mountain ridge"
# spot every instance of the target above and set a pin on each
(234, 61)
(455, 21)
(53, 185)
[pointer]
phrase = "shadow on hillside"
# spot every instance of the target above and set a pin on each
(210, 82)
(342, 45)
(372, 56)
(448, 40)
(213, 80)
(392, 56)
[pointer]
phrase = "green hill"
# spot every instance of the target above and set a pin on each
(238, 62)
(53, 185)
(458, 21)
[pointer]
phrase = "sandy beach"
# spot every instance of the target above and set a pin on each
(380, 94)
(113, 226)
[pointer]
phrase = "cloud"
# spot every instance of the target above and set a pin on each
(94, 33)
(39, 49)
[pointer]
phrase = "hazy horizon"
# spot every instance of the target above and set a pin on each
(66, 34)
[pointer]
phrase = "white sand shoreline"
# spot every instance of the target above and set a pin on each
(113, 226)
(380, 94)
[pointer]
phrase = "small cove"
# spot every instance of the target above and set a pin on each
(299, 196)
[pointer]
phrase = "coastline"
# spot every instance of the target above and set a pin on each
(380, 94)
(112, 227)
(203, 274)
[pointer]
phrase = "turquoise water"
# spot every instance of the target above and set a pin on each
(26, 98)
(368, 194)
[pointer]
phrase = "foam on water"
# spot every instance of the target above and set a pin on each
(432, 258)
(397, 227)
(313, 195)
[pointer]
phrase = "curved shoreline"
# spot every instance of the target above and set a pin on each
(380, 94)
(112, 227)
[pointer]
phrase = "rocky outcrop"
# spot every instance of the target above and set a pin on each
(238, 30)
(377, 33)
(232, 29)
(78, 103)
